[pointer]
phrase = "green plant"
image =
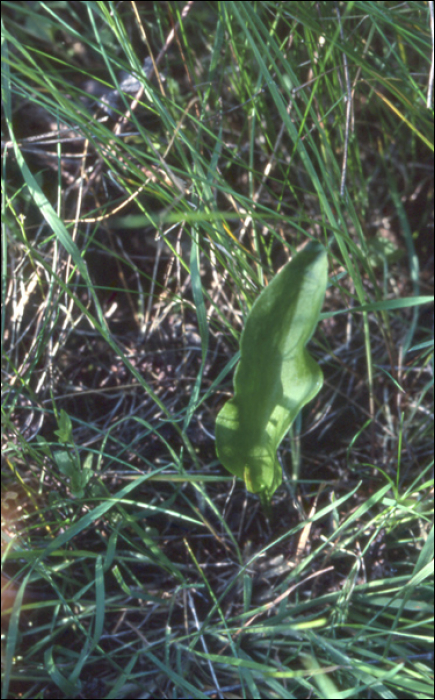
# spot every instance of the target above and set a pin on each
(68, 459)
(122, 295)
(276, 376)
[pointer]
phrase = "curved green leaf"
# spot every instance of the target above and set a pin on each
(276, 376)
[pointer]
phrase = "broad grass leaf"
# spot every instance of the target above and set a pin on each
(276, 376)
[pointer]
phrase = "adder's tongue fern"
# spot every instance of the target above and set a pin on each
(276, 375)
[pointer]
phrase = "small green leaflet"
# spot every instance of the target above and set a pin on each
(276, 376)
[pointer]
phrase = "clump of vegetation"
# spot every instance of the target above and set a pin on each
(162, 162)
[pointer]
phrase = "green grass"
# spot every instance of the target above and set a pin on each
(132, 250)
